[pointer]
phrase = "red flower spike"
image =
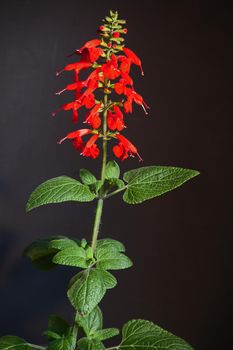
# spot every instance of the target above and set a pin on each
(112, 66)
(133, 57)
(91, 149)
(115, 119)
(125, 148)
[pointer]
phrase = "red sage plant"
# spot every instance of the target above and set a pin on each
(107, 62)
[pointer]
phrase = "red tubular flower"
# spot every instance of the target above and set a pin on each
(133, 96)
(70, 87)
(120, 86)
(93, 117)
(125, 148)
(125, 64)
(89, 51)
(110, 69)
(76, 137)
(133, 57)
(115, 119)
(91, 149)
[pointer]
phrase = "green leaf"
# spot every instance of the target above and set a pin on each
(64, 243)
(11, 342)
(106, 333)
(86, 291)
(88, 287)
(108, 279)
(72, 252)
(112, 260)
(41, 254)
(152, 181)
(112, 170)
(64, 343)
(119, 183)
(87, 177)
(51, 335)
(58, 325)
(92, 322)
(110, 244)
(109, 255)
(145, 335)
(57, 190)
(71, 257)
(90, 344)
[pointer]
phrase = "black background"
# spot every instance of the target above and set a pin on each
(180, 242)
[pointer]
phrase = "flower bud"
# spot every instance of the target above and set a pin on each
(116, 35)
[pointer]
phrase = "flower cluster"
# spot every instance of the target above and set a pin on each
(107, 63)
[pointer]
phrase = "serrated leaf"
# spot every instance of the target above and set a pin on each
(92, 322)
(11, 342)
(106, 333)
(64, 243)
(90, 344)
(71, 257)
(110, 244)
(112, 170)
(86, 291)
(87, 177)
(41, 254)
(57, 190)
(149, 182)
(109, 255)
(112, 260)
(145, 335)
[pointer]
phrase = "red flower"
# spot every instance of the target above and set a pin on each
(115, 119)
(76, 137)
(133, 58)
(110, 69)
(93, 117)
(121, 85)
(89, 51)
(133, 96)
(91, 149)
(125, 148)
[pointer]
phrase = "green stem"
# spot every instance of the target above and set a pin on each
(98, 215)
(36, 346)
(115, 192)
(100, 202)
